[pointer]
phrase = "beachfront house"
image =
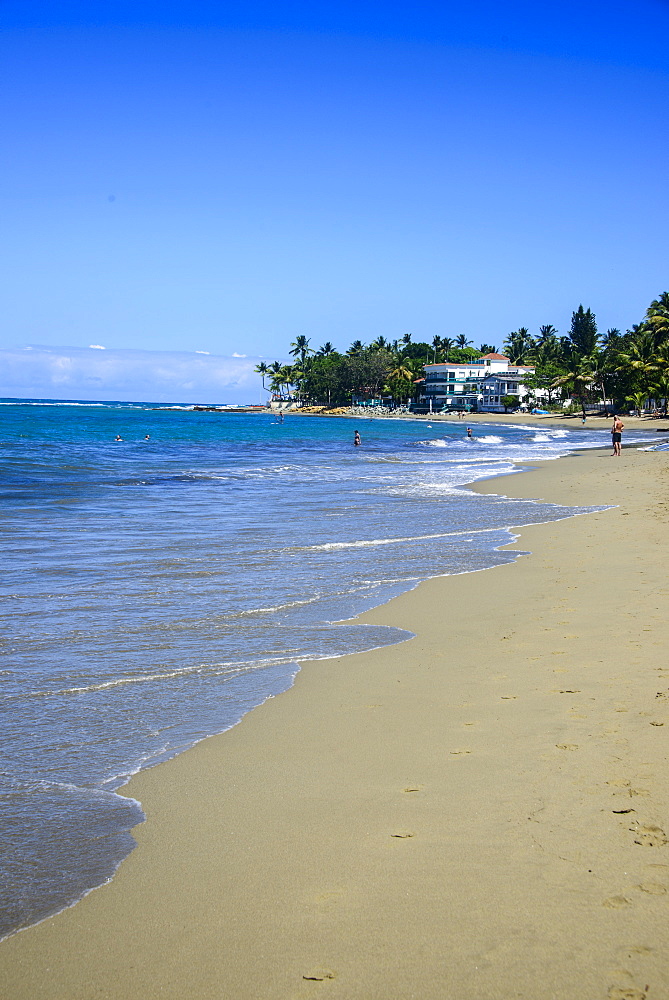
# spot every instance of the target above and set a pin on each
(475, 385)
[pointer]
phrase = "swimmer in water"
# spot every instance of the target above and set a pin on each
(469, 432)
(147, 437)
(118, 438)
(356, 439)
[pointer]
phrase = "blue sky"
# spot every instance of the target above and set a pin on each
(222, 177)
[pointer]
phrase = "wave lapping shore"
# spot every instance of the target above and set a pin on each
(479, 812)
(165, 583)
(404, 814)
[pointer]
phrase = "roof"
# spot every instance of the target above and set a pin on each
(494, 357)
(511, 373)
(455, 364)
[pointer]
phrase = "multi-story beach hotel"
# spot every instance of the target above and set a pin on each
(475, 385)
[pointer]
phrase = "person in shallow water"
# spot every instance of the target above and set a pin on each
(469, 432)
(356, 439)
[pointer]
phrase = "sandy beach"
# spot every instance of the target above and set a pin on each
(479, 813)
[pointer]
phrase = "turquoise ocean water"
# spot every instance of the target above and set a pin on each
(155, 591)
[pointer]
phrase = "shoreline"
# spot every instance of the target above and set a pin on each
(109, 868)
(560, 421)
(315, 859)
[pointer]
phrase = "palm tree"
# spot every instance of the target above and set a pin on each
(641, 358)
(610, 337)
(325, 350)
(518, 345)
(287, 377)
(638, 400)
(274, 371)
(262, 370)
(546, 332)
(600, 369)
(400, 371)
(300, 348)
(356, 347)
(380, 344)
(436, 344)
(406, 339)
(488, 349)
(660, 389)
(447, 345)
(578, 381)
(461, 341)
(401, 374)
(657, 318)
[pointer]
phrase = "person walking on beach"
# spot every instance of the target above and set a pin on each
(356, 439)
(616, 435)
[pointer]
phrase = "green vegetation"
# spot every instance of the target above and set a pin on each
(509, 402)
(630, 368)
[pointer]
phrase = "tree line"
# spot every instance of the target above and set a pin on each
(629, 367)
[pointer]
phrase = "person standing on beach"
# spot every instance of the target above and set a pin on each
(356, 439)
(616, 435)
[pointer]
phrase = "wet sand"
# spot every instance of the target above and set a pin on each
(479, 813)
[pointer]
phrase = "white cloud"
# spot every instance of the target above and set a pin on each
(154, 376)
(209, 352)
(97, 347)
(235, 355)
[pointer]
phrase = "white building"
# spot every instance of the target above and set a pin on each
(475, 385)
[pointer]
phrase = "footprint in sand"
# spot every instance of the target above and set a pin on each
(413, 788)
(625, 993)
(635, 949)
(509, 697)
(403, 835)
(653, 888)
(567, 746)
(648, 835)
(617, 902)
(458, 752)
